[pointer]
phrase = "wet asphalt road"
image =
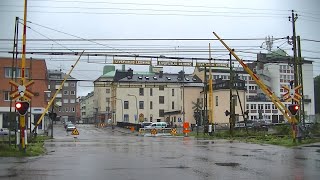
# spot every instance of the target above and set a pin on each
(114, 155)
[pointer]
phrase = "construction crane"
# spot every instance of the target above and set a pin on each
(276, 101)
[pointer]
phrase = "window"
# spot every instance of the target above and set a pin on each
(126, 104)
(126, 117)
(59, 109)
(72, 84)
(260, 106)
(172, 105)
(267, 106)
(73, 109)
(234, 100)
(161, 99)
(141, 104)
(161, 88)
(6, 96)
(151, 93)
(141, 92)
(151, 105)
(72, 92)
(253, 106)
(6, 120)
(108, 109)
(107, 91)
(161, 113)
(107, 99)
(217, 101)
(172, 92)
(65, 92)
(72, 100)
(66, 84)
(65, 100)
(17, 73)
(66, 109)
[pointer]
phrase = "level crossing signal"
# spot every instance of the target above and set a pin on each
(293, 108)
(22, 107)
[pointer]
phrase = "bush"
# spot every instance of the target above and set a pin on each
(284, 129)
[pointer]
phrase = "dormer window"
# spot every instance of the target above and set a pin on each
(155, 78)
(168, 78)
(139, 77)
(194, 79)
(129, 77)
(147, 78)
(187, 79)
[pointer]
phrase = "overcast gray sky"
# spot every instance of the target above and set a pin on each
(174, 19)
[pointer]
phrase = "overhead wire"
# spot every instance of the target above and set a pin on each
(78, 37)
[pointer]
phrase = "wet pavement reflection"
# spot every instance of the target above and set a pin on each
(118, 154)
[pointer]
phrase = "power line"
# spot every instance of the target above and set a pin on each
(152, 39)
(149, 9)
(83, 39)
(165, 5)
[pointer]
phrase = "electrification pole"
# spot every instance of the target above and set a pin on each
(293, 19)
(231, 118)
(302, 115)
(23, 64)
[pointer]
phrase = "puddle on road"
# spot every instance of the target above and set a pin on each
(315, 145)
(231, 164)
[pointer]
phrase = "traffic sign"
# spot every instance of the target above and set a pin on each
(21, 90)
(292, 93)
(75, 132)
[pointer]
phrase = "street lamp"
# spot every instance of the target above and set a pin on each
(51, 117)
(136, 105)
(121, 108)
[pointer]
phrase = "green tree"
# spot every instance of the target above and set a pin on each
(317, 94)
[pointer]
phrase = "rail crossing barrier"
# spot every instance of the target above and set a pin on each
(157, 131)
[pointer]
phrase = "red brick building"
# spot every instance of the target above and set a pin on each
(36, 70)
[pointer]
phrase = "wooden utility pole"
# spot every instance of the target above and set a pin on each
(232, 107)
(302, 115)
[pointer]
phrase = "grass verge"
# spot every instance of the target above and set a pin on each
(257, 138)
(34, 148)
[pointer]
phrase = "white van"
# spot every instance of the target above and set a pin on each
(157, 125)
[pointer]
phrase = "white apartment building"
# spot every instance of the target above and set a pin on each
(134, 97)
(275, 72)
(154, 97)
(88, 112)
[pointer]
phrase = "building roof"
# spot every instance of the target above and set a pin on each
(58, 75)
(277, 57)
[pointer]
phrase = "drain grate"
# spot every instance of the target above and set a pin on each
(228, 164)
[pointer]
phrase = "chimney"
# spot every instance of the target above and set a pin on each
(160, 74)
(130, 72)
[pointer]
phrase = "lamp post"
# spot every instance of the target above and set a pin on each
(52, 117)
(121, 108)
(136, 105)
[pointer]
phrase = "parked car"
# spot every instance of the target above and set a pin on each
(66, 124)
(70, 127)
(4, 132)
(145, 124)
(157, 125)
